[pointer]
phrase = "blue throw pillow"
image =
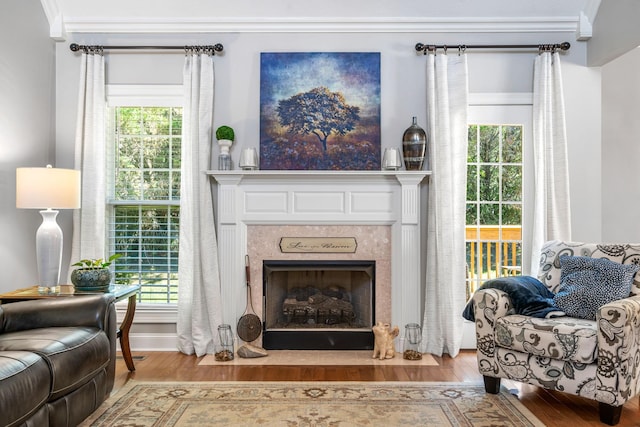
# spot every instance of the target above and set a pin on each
(586, 284)
(528, 296)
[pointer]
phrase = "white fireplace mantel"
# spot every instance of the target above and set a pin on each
(390, 198)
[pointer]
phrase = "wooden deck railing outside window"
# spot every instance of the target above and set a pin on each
(492, 251)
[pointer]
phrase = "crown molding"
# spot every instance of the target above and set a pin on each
(57, 29)
(322, 25)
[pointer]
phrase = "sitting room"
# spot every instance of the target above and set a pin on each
(330, 213)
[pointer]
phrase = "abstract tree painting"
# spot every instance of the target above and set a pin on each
(320, 111)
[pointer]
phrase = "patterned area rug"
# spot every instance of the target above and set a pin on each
(317, 404)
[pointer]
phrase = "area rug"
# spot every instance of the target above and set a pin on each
(321, 358)
(306, 404)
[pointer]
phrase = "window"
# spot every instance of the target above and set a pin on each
(143, 209)
(495, 191)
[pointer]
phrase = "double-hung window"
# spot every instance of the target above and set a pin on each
(143, 179)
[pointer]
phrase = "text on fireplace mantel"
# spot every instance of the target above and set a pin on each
(318, 244)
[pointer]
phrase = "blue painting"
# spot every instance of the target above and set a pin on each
(320, 111)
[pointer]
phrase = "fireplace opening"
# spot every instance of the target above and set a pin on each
(318, 305)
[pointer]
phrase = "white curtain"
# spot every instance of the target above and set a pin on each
(447, 95)
(90, 154)
(552, 213)
(199, 306)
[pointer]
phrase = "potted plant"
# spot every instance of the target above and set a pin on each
(93, 274)
(225, 136)
(225, 133)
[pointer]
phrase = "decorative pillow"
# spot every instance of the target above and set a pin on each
(586, 284)
(528, 296)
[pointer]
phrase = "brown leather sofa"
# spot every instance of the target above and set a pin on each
(57, 359)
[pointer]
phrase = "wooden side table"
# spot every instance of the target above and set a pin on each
(120, 292)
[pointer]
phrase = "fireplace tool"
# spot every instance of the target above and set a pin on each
(249, 325)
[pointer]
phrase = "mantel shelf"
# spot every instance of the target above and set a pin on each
(325, 175)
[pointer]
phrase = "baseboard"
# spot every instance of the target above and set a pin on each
(153, 342)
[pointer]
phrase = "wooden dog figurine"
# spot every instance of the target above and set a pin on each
(383, 347)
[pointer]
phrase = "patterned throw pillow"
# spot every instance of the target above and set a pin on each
(587, 284)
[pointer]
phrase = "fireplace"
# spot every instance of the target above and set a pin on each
(383, 211)
(318, 305)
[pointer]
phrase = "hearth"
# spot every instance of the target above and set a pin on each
(318, 305)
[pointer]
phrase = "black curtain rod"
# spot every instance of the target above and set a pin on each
(77, 47)
(421, 47)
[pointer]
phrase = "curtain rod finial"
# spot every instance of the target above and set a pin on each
(74, 47)
(420, 47)
(565, 46)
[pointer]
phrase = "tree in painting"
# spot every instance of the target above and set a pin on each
(319, 112)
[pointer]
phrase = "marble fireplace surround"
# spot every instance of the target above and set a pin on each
(383, 210)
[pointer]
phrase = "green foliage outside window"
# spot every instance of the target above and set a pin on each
(494, 201)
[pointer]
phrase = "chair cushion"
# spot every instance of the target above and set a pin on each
(74, 354)
(563, 338)
(589, 283)
(24, 386)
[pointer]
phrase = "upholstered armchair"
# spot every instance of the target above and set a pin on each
(598, 359)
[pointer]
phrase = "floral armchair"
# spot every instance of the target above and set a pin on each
(597, 359)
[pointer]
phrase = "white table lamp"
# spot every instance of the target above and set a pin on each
(49, 189)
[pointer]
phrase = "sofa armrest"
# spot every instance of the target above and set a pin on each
(91, 310)
(618, 351)
(488, 306)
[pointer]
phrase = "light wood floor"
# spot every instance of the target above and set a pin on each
(552, 408)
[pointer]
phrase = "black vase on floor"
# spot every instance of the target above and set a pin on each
(414, 147)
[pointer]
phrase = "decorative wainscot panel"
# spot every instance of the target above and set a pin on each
(320, 111)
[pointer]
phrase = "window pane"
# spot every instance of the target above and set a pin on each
(472, 179)
(489, 144)
(490, 214)
(472, 147)
(472, 213)
(176, 121)
(157, 152)
(129, 151)
(129, 120)
(176, 149)
(512, 144)
(147, 236)
(156, 185)
(489, 183)
(155, 121)
(512, 183)
(511, 214)
(128, 185)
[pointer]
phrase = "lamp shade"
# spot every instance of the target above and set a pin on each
(44, 188)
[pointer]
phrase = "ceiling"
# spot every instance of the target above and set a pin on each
(189, 16)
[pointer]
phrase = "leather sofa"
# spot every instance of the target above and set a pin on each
(57, 359)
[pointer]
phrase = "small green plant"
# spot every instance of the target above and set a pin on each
(225, 132)
(96, 264)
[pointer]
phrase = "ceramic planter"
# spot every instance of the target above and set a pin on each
(91, 279)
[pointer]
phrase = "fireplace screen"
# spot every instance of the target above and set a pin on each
(324, 296)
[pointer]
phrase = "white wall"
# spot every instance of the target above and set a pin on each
(27, 112)
(621, 148)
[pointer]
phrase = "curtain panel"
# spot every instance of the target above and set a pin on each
(90, 153)
(552, 212)
(447, 100)
(199, 305)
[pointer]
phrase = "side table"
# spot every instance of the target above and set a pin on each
(120, 292)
